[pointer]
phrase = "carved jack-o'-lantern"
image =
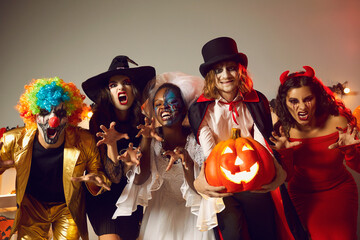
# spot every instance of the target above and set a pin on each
(239, 164)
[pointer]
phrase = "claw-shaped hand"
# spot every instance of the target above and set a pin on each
(148, 130)
(347, 138)
(281, 141)
(91, 178)
(110, 135)
(131, 156)
(178, 153)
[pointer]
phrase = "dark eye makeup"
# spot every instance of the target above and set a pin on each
(43, 112)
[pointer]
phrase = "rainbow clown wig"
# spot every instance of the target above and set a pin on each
(46, 93)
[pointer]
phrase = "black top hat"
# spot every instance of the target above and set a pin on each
(218, 50)
(139, 76)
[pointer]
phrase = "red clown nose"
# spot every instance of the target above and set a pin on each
(54, 122)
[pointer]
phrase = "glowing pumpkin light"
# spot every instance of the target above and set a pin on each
(239, 164)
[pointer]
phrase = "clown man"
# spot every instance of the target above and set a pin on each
(50, 155)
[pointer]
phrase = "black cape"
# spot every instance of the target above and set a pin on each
(258, 106)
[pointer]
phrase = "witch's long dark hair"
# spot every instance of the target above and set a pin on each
(104, 114)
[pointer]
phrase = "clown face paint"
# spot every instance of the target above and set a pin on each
(168, 107)
(301, 104)
(121, 92)
(51, 125)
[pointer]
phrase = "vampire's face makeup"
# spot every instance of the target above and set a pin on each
(121, 92)
(227, 78)
(51, 125)
(301, 104)
(168, 107)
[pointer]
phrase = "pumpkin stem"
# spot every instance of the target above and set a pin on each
(235, 133)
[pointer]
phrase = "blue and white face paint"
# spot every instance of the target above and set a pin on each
(51, 125)
(168, 107)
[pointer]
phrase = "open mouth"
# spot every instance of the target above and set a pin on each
(123, 98)
(51, 133)
(165, 115)
(303, 116)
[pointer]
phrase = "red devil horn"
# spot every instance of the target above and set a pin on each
(284, 77)
(309, 71)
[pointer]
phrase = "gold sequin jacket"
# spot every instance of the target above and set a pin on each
(80, 154)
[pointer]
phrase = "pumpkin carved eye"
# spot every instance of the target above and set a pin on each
(247, 147)
(227, 150)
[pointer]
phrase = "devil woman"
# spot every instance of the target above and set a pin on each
(317, 133)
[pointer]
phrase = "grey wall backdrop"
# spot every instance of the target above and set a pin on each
(77, 39)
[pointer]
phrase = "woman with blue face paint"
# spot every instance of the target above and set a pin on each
(172, 204)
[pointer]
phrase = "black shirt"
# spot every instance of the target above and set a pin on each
(46, 174)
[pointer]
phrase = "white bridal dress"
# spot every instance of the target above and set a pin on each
(173, 211)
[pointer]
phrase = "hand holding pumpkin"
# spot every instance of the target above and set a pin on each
(202, 187)
(240, 164)
(280, 178)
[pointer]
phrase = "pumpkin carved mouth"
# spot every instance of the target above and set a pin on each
(239, 164)
(243, 176)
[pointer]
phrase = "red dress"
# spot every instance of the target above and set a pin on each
(323, 191)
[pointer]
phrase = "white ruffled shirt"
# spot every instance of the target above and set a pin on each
(173, 209)
(218, 122)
